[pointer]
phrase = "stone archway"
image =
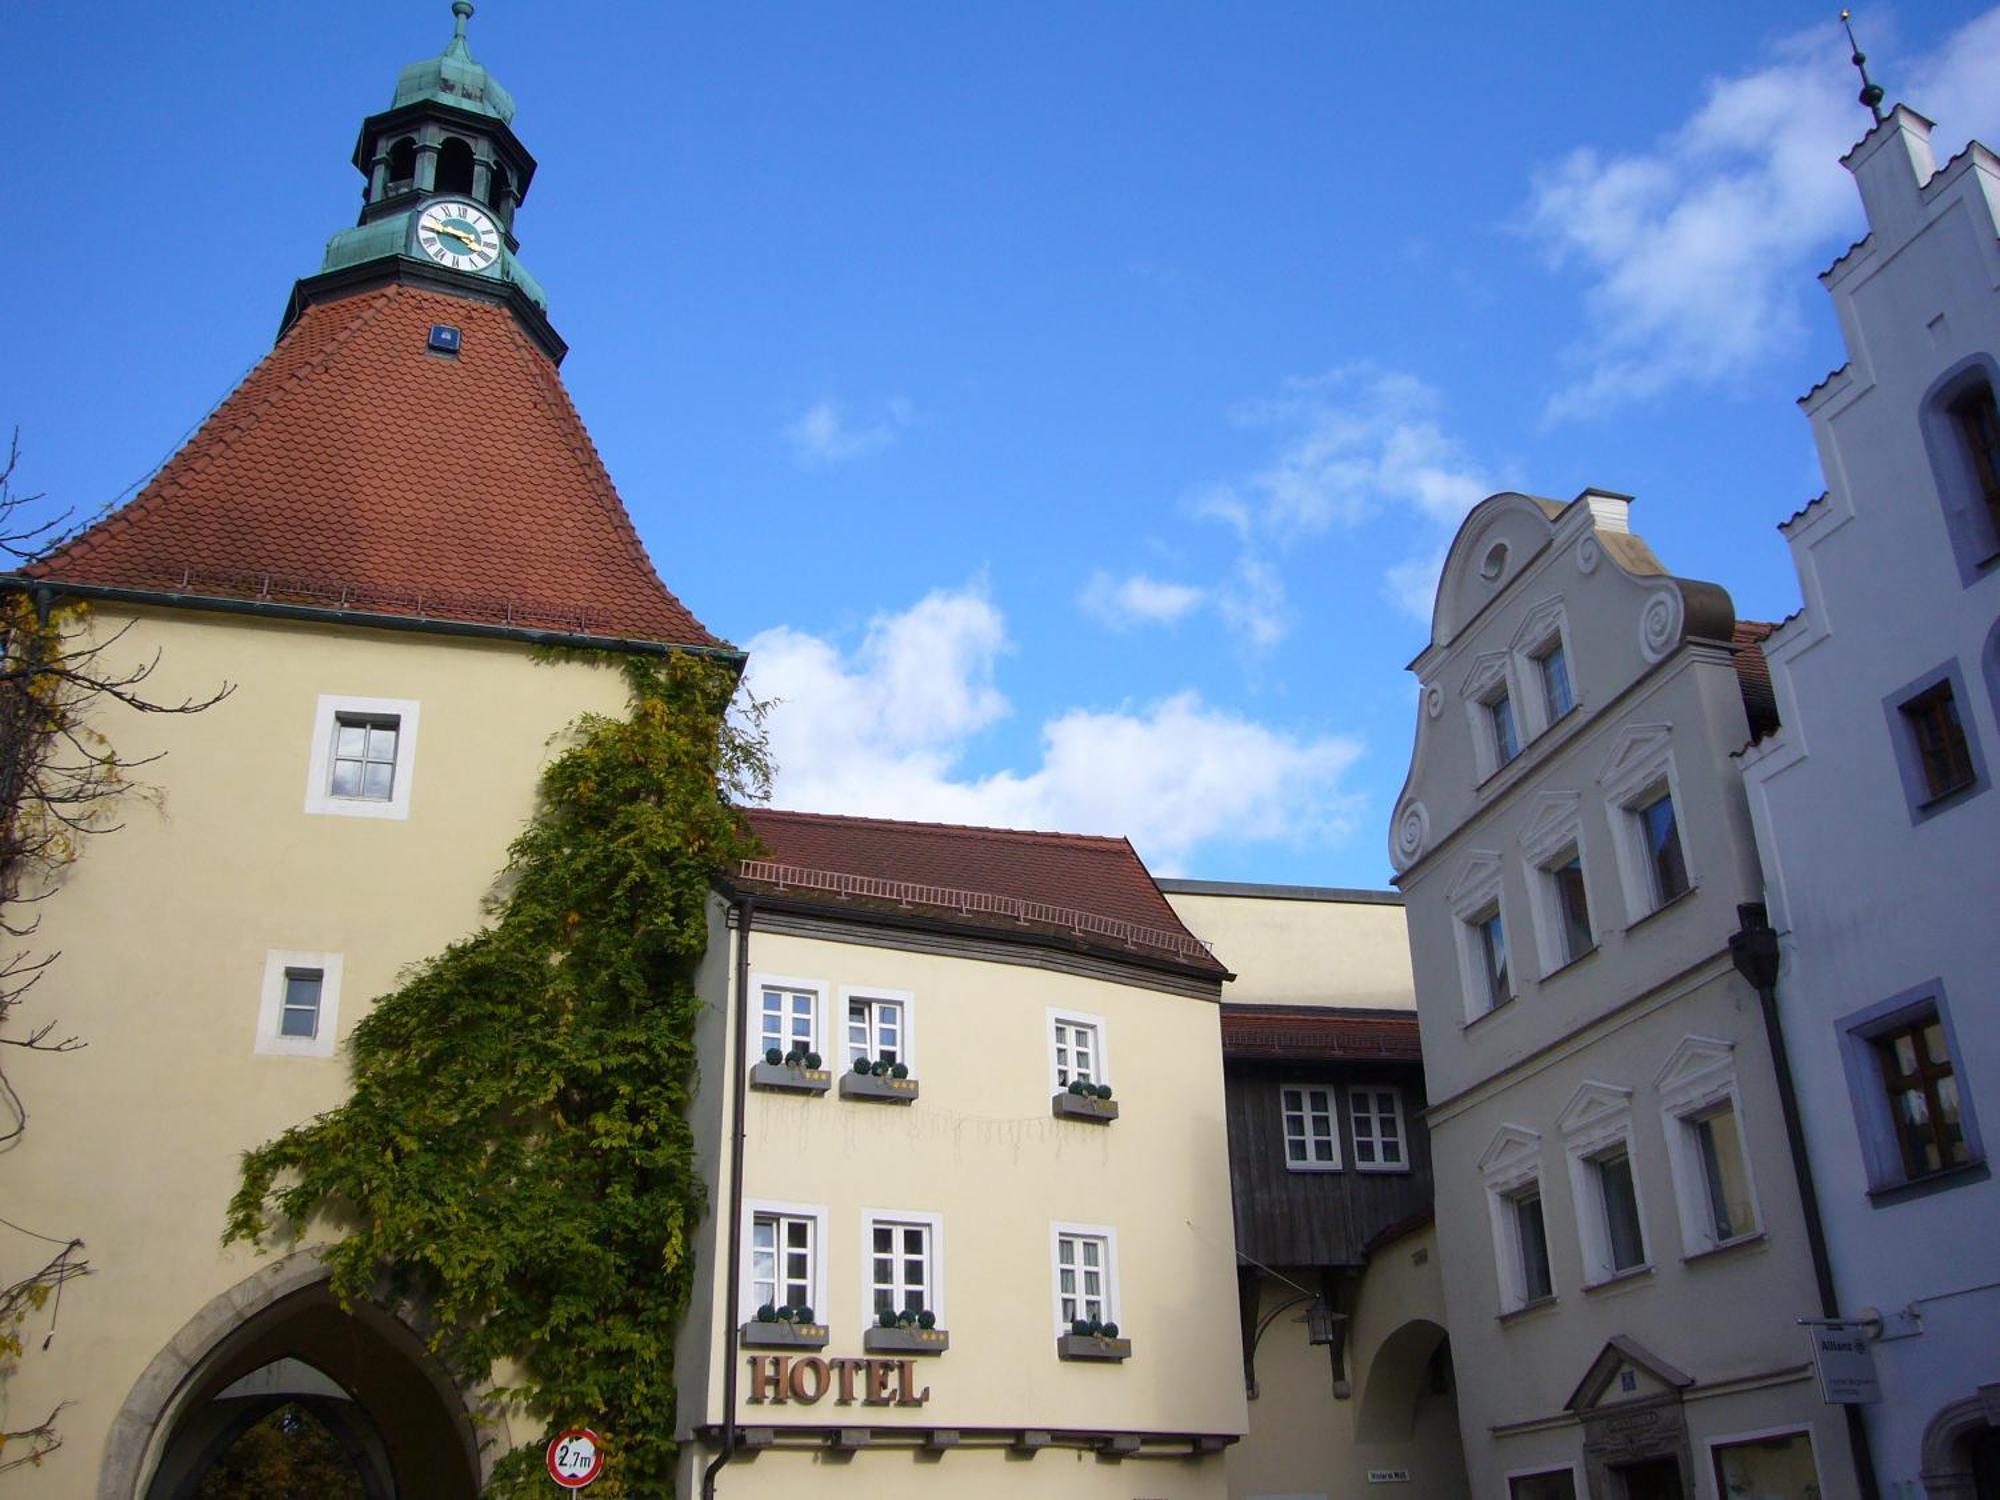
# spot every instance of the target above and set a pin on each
(1407, 1415)
(1396, 1381)
(385, 1397)
(1958, 1452)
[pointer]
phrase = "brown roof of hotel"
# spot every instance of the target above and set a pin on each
(1311, 1033)
(1753, 676)
(354, 470)
(1088, 889)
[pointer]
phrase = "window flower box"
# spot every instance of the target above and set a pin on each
(886, 1087)
(1083, 1101)
(902, 1340)
(790, 1073)
(1093, 1346)
(780, 1333)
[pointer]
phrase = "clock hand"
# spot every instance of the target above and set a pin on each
(472, 241)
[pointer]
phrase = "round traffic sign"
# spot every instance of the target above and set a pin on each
(575, 1458)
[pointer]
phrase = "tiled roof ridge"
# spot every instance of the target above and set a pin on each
(583, 448)
(1393, 1014)
(221, 429)
(1035, 835)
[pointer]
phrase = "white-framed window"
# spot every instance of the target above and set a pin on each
(1084, 1262)
(1312, 1138)
(1506, 731)
(1775, 1464)
(784, 1260)
(880, 1026)
(1544, 691)
(1077, 1049)
(1375, 1118)
(1552, 669)
(298, 1010)
(1702, 1110)
(1485, 961)
(363, 760)
(1646, 825)
(902, 1262)
(1511, 1168)
(787, 1014)
(1558, 884)
(1490, 700)
(1604, 1182)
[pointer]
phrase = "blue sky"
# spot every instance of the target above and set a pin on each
(1065, 403)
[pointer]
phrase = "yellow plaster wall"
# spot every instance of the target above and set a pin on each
(1286, 951)
(980, 1148)
(133, 1141)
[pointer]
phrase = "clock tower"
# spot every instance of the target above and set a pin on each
(444, 174)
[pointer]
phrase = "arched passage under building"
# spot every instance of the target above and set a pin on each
(1408, 1414)
(282, 1345)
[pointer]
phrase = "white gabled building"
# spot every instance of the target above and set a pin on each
(1875, 816)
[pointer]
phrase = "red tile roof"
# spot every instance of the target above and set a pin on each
(1310, 1033)
(354, 470)
(1094, 890)
(1753, 676)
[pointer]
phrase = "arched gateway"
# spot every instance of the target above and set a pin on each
(279, 1340)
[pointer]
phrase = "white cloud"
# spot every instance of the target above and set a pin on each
(1137, 600)
(1696, 253)
(883, 731)
(822, 433)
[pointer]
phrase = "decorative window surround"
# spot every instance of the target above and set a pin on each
(1474, 897)
(1489, 683)
(1543, 632)
(1553, 836)
(1314, 1146)
(1105, 1237)
(898, 1219)
(1881, 1150)
(1698, 1080)
(1511, 1167)
(1639, 768)
(1903, 736)
(817, 1213)
(319, 763)
(271, 1040)
(1596, 1126)
(1090, 1061)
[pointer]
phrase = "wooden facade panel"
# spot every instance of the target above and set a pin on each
(1318, 1218)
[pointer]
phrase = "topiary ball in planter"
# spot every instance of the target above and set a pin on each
(887, 1318)
(805, 1314)
(861, 1065)
(1096, 1327)
(812, 1060)
(794, 1057)
(1078, 1087)
(905, 1319)
(1111, 1330)
(899, 1070)
(767, 1314)
(881, 1069)
(1104, 1091)
(774, 1057)
(1080, 1327)
(927, 1319)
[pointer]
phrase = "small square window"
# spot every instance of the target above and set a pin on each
(1375, 1115)
(1492, 935)
(363, 758)
(1556, 692)
(1506, 736)
(875, 1030)
(1940, 742)
(787, 1019)
(299, 1015)
(1660, 836)
(1311, 1144)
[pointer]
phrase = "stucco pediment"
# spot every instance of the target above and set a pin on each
(1476, 881)
(1489, 668)
(1594, 1104)
(1553, 821)
(1637, 753)
(1697, 1061)
(1512, 1146)
(1625, 1370)
(1539, 624)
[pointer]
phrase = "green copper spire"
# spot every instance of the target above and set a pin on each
(455, 77)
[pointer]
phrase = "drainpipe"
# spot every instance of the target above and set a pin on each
(1753, 948)
(746, 907)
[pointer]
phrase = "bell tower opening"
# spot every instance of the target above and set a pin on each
(454, 167)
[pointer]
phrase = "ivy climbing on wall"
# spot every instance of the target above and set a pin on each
(516, 1157)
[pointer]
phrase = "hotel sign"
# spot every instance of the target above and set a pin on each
(780, 1379)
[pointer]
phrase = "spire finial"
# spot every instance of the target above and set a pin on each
(1871, 93)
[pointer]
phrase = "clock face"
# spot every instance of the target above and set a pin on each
(458, 234)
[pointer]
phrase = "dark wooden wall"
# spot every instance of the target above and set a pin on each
(1326, 1219)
